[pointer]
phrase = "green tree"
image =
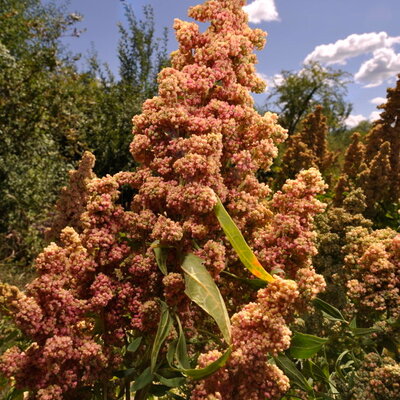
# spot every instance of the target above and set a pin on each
(42, 108)
(297, 93)
(141, 56)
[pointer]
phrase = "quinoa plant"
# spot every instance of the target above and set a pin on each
(149, 293)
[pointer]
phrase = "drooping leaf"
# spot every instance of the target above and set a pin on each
(236, 239)
(163, 329)
(161, 256)
(305, 346)
(134, 345)
(201, 288)
(144, 379)
(181, 353)
(328, 310)
(290, 369)
(202, 373)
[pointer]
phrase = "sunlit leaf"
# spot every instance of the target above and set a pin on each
(201, 288)
(163, 329)
(305, 346)
(238, 242)
(202, 373)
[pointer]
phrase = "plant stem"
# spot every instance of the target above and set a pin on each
(128, 390)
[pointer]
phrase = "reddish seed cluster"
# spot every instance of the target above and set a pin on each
(199, 139)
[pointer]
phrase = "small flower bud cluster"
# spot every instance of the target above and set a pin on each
(373, 279)
(378, 378)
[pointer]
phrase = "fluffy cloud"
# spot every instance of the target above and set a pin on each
(374, 115)
(262, 10)
(384, 64)
(353, 120)
(378, 100)
(352, 46)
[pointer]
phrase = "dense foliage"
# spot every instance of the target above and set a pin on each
(50, 113)
(177, 274)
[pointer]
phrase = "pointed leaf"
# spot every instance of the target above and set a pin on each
(172, 382)
(305, 346)
(202, 373)
(144, 379)
(134, 345)
(201, 288)
(328, 310)
(256, 283)
(290, 369)
(181, 353)
(238, 242)
(164, 327)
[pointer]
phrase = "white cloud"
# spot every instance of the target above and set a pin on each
(353, 120)
(262, 10)
(384, 64)
(374, 116)
(352, 46)
(270, 81)
(378, 100)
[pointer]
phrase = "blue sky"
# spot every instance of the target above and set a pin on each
(359, 36)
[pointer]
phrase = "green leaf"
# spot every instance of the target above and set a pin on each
(256, 283)
(305, 346)
(328, 310)
(365, 331)
(181, 353)
(161, 256)
(290, 369)
(202, 373)
(159, 390)
(144, 379)
(133, 346)
(171, 352)
(318, 373)
(338, 366)
(124, 373)
(201, 288)
(163, 329)
(238, 242)
(172, 382)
